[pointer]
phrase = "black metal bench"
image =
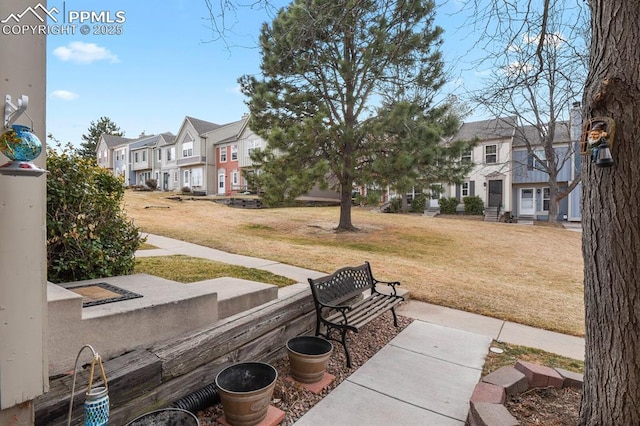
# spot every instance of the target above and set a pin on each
(337, 308)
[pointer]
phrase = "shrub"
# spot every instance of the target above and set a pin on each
(88, 233)
(473, 205)
(448, 205)
(152, 184)
(395, 205)
(186, 190)
(418, 204)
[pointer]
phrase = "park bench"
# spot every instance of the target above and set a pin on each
(338, 304)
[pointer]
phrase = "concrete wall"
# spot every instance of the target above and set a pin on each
(23, 295)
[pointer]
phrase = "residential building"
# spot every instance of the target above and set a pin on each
(112, 153)
(491, 176)
(195, 158)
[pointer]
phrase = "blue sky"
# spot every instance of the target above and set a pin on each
(165, 65)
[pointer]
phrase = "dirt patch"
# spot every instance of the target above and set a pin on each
(546, 406)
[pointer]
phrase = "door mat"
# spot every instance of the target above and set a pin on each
(101, 293)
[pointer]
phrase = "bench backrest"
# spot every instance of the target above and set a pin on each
(342, 285)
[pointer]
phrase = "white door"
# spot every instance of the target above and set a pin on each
(221, 184)
(527, 202)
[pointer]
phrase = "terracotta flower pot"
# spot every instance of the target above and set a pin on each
(245, 391)
(308, 357)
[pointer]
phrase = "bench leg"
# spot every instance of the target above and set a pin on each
(395, 317)
(344, 345)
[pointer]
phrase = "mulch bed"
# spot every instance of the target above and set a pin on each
(295, 400)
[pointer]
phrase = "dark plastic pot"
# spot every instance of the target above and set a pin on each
(308, 357)
(245, 391)
(166, 417)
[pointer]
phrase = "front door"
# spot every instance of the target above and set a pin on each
(221, 184)
(165, 181)
(527, 203)
(495, 193)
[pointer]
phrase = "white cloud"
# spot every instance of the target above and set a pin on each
(235, 90)
(65, 95)
(84, 53)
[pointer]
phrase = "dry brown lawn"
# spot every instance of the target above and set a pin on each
(527, 274)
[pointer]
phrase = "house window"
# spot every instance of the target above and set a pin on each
(171, 153)
(253, 145)
(545, 199)
(541, 160)
(491, 154)
(175, 177)
(187, 149)
(135, 156)
(466, 157)
(223, 154)
(234, 152)
(196, 177)
(159, 154)
(185, 178)
(465, 189)
(144, 156)
(235, 178)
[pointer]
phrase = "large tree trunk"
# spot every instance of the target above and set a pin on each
(611, 222)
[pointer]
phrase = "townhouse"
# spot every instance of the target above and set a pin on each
(203, 158)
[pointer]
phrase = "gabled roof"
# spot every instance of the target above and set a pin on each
(227, 132)
(201, 126)
(531, 134)
(498, 128)
(113, 141)
(151, 140)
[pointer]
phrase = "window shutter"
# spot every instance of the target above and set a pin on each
(472, 188)
(529, 161)
(459, 193)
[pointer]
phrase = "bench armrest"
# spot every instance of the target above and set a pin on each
(336, 307)
(391, 284)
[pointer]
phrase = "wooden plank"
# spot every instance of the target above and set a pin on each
(185, 354)
(128, 376)
(267, 348)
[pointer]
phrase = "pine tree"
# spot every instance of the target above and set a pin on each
(103, 126)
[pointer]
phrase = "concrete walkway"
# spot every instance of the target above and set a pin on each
(425, 375)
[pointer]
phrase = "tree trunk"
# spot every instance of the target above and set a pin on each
(345, 210)
(611, 222)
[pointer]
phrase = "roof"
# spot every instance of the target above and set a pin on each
(202, 126)
(113, 140)
(227, 132)
(531, 134)
(151, 140)
(498, 128)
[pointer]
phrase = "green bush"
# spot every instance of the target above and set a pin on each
(88, 233)
(448, 205)
(152, 184)
(418, 204)
(473, 205)
(395, 205)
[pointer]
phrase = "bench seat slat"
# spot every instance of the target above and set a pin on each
(364, 308)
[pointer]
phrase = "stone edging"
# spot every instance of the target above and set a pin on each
(488, 398)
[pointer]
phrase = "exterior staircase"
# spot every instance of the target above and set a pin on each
(491, 214)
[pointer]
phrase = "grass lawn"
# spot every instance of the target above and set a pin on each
(186, 269)
(527, 274)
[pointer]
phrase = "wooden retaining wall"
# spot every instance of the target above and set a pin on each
(148, 379)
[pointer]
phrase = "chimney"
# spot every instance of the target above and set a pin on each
(575, 121)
